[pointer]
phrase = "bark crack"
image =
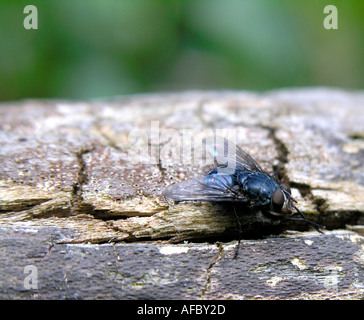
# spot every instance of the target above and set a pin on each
(218, 257)
(279, 170)
(82, 179)
(323, 216)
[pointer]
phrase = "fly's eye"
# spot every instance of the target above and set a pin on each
(278, 200)
(286, 187)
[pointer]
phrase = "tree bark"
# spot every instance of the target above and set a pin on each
(81, 197)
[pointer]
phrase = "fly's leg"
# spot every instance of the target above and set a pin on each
(303, 218)
(314, 225)
(240, 233)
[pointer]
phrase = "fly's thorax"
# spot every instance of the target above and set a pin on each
(258, 186)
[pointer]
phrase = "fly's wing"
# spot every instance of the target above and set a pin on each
(229, 155)
(216, 186)
(200, 190)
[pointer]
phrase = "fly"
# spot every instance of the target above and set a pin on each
(238, 178)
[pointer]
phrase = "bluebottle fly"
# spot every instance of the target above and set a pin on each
(238, 178)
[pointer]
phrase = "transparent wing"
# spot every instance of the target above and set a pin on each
(217, 186)
(200, 190)
(229, 155)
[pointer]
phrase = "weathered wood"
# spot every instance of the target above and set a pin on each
(74, 173)
(303, 266)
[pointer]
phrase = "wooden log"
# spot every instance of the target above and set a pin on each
(88, 176)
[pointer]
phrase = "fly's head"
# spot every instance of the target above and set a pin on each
(282, 205)
(282, 201)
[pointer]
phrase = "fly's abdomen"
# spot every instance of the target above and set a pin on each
(219, 180)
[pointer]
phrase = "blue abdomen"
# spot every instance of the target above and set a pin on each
(219, 180)
(255, 187)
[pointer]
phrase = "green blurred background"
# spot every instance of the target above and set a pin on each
(97, 48)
